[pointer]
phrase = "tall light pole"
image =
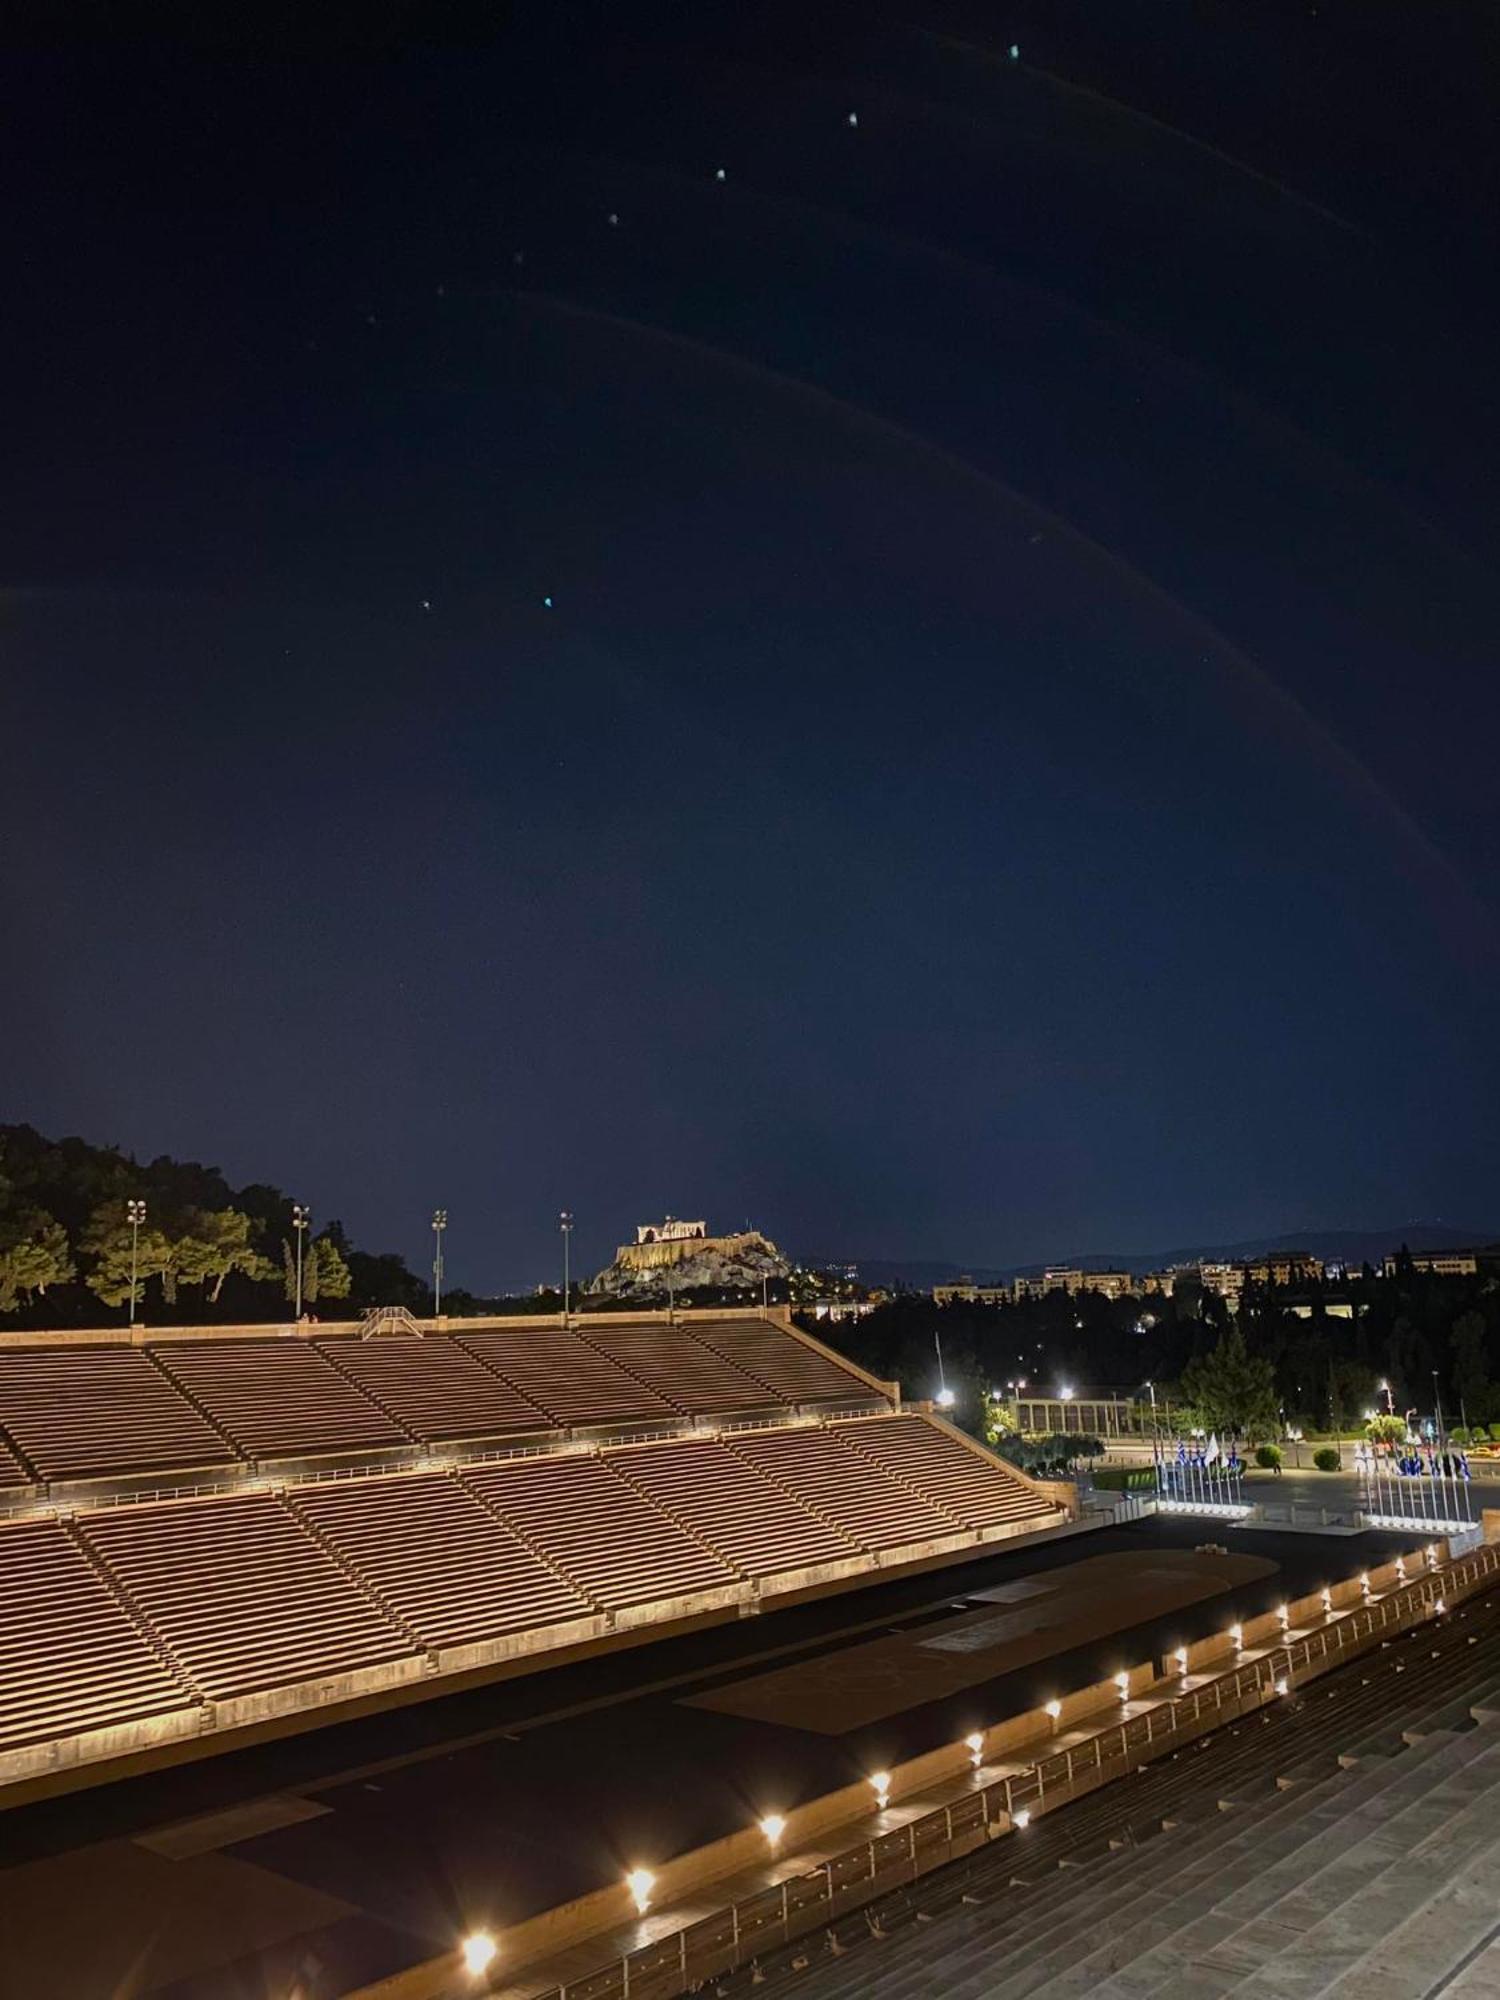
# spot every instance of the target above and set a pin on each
(301, 1216)
(439, 1224)
(1390, 1400)
(565, 1223)
(135, 1215)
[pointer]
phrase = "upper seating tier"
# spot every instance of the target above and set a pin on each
(790, 1370)
(435, 1388)
(279, 1398)
(566, 1376)
(693, 1378)
(83, 1412)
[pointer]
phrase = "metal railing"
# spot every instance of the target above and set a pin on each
(681, 1960)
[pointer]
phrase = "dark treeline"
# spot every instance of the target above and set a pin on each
(1326, 1367)
(203, 1251)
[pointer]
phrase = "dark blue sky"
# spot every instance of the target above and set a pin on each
(1009, 768)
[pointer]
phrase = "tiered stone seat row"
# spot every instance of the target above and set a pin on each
(752, 1523)
(603, 1535)
(944, 1471)
(843, 1487)
(139, 1609)
(435, 1388)
(279, 1398)
(240, 1593)
(446, 1564)
(13, 1471)
(789, 1370)
(73, 1412)
(565, 1375)
(69, 1413)
(71, 1660)
(692, 1377)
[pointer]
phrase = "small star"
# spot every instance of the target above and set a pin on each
(518, 256)
(614, 220)
(442, 291)
(1015, 51)
(369, 319)
(546, 603)
(721, 175)
(853, 118)
(426, 603)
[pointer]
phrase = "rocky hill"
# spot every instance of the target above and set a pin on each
(651, 1271)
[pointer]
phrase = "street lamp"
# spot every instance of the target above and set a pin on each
(565, 1223)
(439, 1224)
(301, 1216)
(135, 1215)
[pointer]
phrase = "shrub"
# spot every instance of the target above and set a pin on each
(1268, 1456)
(1458, 1435)
(1326, 1459)
(1386, 1430)
(1495, 1432)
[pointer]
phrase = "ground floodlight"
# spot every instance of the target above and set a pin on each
(1364, 1581)
(975, 1745)
(1284, 1613)
(1440, 1608)
(1054, 1709)
(773, 1826)
(880, 1782)
(1237, 1634)
(1180, 1656)
(640, 1882)
(1021, 1818)
(479, 1950)
(1327, 1601)
(1283, 1686)
(1122, 1682)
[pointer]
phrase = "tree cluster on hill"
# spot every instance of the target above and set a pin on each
(1311, 1355)
(203, 1251)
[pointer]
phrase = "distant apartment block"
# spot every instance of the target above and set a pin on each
(1107, 1284)
(1443, 1263)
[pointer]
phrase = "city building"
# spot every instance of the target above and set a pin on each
(1070, 1279)
(1438, 1263)
(1082, 1414)
(1282, 1267)
(966, 1292)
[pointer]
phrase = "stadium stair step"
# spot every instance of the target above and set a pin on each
(183, 1390)
(1340, 1850)
(1122, 1892)
(1152, 1904)
(121, 1594)
(367, 1590)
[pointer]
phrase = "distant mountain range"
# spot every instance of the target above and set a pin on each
(1353, 1246)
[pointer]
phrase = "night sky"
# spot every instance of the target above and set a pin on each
(936, 691)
